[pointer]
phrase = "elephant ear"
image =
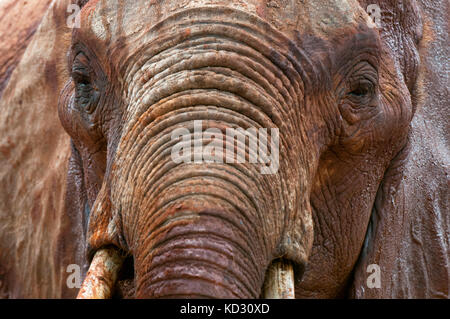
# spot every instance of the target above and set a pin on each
(38, 237)
(408, 236)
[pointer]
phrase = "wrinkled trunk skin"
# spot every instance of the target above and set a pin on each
(201, 255)
(199, 226)
(210, 229)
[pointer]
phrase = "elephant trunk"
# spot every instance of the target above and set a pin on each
(198, 229)
(203, 254)
(203, 213)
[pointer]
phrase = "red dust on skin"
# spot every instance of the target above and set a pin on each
(6, 148)
(261, 10)
(320, 207)
(187, 33)
(403, 196)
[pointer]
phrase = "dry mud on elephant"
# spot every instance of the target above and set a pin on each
(321, 169)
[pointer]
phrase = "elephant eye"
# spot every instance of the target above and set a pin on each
(362, 89)
(361, 84)
(86, 94)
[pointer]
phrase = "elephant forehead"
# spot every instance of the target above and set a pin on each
(111, 20)
(115, 19)
(324, 16)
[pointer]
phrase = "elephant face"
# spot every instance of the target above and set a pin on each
(314, 75)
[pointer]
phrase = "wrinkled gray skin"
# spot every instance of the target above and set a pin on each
(363, 120)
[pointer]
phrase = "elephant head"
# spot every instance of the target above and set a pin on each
(328, 85)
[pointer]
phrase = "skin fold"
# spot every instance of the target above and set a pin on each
(362, 114)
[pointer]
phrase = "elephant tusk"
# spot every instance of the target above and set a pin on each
(279, 282)
(102, 275)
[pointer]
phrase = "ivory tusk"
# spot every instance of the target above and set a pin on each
(279, 282)
(102, 275)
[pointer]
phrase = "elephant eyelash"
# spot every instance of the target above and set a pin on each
(86, 81)
(362, 88)
(80, 78)
(85, 92)
(81, 70)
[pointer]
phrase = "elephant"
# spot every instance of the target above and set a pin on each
(354, 93)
